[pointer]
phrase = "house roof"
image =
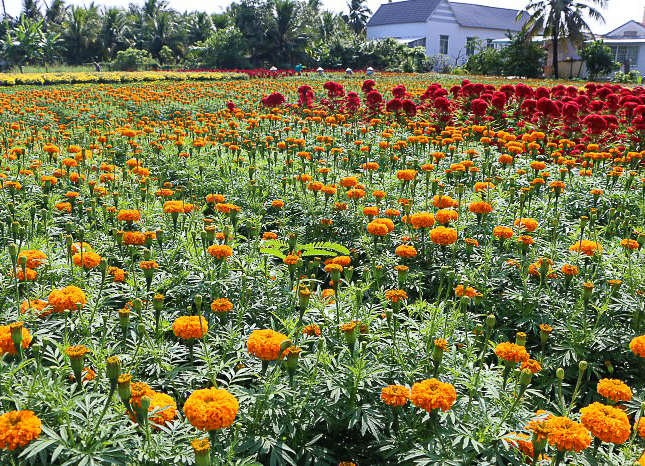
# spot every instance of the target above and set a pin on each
(488, 17)
(410, 11)
(466, 14)
(623, 25)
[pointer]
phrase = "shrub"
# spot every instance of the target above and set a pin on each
(133, 60)
(598, 59)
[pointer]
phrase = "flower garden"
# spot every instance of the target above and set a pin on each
(296, 271)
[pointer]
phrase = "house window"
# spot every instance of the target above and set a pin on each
(470, 46)
(625, 53)
(630, 34)
(443, 45)
(489, 43)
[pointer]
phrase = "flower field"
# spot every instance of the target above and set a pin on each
(296, 271)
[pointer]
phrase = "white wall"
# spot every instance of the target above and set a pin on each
(441, 22)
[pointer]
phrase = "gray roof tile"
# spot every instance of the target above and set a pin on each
(479, 16)
(410, 11)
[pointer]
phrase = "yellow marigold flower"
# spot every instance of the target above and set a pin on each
(432, 394)
(607, 423)
(187, 327)
(614, 390)
(265, 344)
(18, 429)
(395, 395)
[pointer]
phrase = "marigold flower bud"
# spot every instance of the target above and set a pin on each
(113, 368)
(525, 377)
(582, 366)
(490, 321)
(559, 373)
(124, 386)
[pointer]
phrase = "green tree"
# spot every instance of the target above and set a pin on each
(28, 43)
(522, 56)
(31, 9)
(562, 19)
(357, 15)
(598, 59)
(113, 33)
(224, 49)
(81, 30)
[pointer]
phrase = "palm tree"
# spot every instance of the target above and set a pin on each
(114, 30)
(55, 12)
(80, 32)
(358, 15)
(31, 9)
(200, 27)
(562, 19)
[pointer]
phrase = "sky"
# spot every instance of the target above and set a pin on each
(618, 11)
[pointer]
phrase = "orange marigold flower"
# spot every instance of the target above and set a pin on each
(215, 198)
(37, 305)
(211, 409)
(331, 268)
(395, 395)
(187, 327)
(522, 443)
(90, 259)
(528, 224)
(614, 390)
(342, 260)
(637, 346)
(265, 344)
(469, 291)
(433, 394)
(443, 202)
(35, 258)
(6, 344)
(421, 220)
(18, 429)
(395, 295)
(532, 365)
(511, 352)
(221, 305)
(567, 435)
(482, 185)
(569, 270)
(64, 207)
(377, 229)
(629, 244)
(148, 265)
(480, 207)
(133, 238)
(443, 236)
(118, 274)
(539, 426)
(370, 211)
(607, 423)
(503, 232)
(128, 215)
(405, 251)
(406, 175)
(291, 259)
(277, 203)
(586, 247)
(76, 247)
(445, 216)
(311, 330)
(66, 299)
(219, 251)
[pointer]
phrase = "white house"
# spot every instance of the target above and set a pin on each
(627, 43)
(443, 27)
